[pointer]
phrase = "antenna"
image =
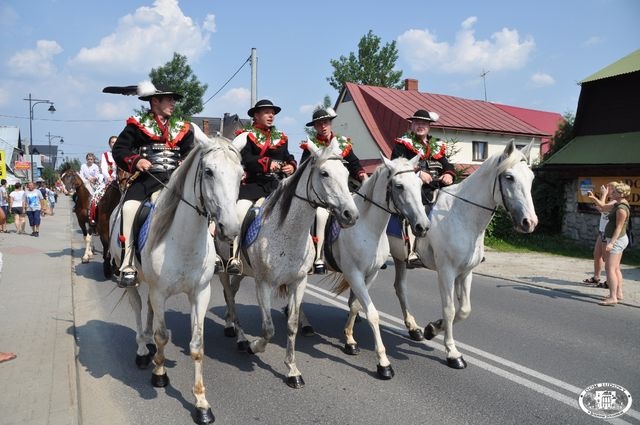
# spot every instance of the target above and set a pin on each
(484, 82)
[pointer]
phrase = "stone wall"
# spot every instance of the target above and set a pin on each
(583, 227)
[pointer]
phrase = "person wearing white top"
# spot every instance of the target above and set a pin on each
(94, 182)
(18, 207)
(4, 204)
(108, 166)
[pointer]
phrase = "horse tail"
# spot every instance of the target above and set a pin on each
(282, 291)
(340, 286)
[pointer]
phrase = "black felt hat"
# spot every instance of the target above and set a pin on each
(146, 90)
(423, 115)
(322, 114)
(264, 103)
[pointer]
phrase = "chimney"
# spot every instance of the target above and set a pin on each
(205, 127)
(411, 84)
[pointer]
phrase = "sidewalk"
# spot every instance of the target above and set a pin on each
(37, 311)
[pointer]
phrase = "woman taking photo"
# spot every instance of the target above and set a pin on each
(615, 234)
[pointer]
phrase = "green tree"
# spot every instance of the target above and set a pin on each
(564, 134)
(372, 66)
(73, 164)
(178, 75)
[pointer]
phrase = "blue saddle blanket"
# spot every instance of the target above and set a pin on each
(253, 229)
(394, 228)
(144, 229)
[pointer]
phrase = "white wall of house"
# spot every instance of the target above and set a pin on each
(349, 123)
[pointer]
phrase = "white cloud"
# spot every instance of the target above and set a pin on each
(36, 62)
(467, 54)
(113, 110)
(592, 41)
(148, 38)
(236, 98)
(541, 79)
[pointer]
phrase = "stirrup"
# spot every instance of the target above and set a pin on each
(128, 279)
(319, 267)
(413, 261)
(234, 266)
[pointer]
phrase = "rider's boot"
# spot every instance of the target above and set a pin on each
(128, 275)
(234, 265)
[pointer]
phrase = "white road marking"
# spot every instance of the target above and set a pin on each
(396, 324)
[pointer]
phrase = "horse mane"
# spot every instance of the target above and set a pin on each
(285, 192)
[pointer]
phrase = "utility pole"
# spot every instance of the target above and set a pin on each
(254, 77)
(484, 82)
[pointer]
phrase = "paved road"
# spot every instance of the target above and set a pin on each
(530, 345)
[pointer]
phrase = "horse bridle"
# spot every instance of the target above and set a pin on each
(389, 196)
(319, 202)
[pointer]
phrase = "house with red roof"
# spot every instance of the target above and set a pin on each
(374, 116)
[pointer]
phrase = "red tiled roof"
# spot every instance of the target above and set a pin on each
(384, 111)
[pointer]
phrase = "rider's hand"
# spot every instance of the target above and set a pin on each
(446, 179)
(143, 164)
(275, 166)
(425, 177)
(287, 169)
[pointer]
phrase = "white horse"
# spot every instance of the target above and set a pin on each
(282, 253)
(360, 251)
(179, 255)
(454, 245)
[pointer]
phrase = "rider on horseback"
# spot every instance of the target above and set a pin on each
(94, 182)
(321, 122)
(435, 169)
(152, 145)
(266, 160)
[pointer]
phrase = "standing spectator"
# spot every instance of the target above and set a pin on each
(616, 236)
(599, 247)
(107, 164)
(51, 198)
(32, 198)
(4, 205)
(18, 207)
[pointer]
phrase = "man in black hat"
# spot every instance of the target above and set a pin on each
(266, 160)
(152, 146)
(435, 168)
(321, 122)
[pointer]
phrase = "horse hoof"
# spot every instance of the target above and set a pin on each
(385, 372)
(295, 382)
(416, 334)
(430, 331)
(243, 346)
(143, 362)
(230, 332)
(159, 381)
(85, 260)
(351, 349)
(308, 331)
(203, 416)
(458, 363)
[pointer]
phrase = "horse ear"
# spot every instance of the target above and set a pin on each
(313, 148)
(240, 141)
(199, 136)
(508, 150)
(526, 151)
(414, 161)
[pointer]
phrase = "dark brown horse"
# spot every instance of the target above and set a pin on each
(73, 184)
(107, 204)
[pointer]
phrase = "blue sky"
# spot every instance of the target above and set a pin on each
(68, 50)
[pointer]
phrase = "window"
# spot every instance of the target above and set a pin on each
(480, 151)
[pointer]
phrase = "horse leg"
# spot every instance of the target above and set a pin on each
(143, 353)
(199, 304)
(400, 285)
(360, 291)
(159, 377)
(88, 253)
(463, 294)
(263, 294)
(294, 377)
(446, 284)
(351, 345)
(232, 326)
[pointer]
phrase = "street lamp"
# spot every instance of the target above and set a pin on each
(51, 136)
(32, 103)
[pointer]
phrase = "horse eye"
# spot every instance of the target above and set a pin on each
(324, 173)
(508, 176)
(208, 172)
(400, 187)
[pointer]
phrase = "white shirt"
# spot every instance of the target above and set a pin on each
(94, 171)
(108, 166)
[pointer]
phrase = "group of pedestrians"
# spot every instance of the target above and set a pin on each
(30, 203)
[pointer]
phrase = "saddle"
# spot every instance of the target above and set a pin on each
(331, 234)
(140, 228)
(250, 229)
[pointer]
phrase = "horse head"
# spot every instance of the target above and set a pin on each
(514, 182)
(404, 189)
(71, 181)
(220, 175)
(328, 183)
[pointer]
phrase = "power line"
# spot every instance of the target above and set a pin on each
(57, 120)
(227, 82)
